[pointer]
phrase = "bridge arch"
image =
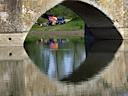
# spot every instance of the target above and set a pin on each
(98, 22)
(19, 16)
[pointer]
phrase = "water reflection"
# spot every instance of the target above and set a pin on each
(57, 63)
(69, 63)
(19, 76)
(99, 56)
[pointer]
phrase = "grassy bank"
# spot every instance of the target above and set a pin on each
(58, 31)
(72, 25)
(75, 23)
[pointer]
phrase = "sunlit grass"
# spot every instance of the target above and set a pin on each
(69, 26)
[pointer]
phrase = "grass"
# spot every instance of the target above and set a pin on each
(72, 25)
(76, 22)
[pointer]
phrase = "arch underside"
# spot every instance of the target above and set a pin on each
(97, 24)
(99, 56)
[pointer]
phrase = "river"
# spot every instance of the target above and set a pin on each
(57, 63)
(94, 68)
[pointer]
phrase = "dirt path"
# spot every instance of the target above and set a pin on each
(79, 33)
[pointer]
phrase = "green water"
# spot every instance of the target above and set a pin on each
(57, 63)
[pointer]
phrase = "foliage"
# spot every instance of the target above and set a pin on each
(31, 39)
(67, 13)
(57, 11)
(42, 20)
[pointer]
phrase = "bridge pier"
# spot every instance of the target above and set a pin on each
(12, 39)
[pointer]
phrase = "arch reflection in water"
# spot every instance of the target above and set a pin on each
(74, 64)
(20, 77)
(57, 63)
(99, 55)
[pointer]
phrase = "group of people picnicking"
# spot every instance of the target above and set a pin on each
(52, 20)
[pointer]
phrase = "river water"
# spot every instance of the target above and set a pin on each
(94, 68)
(57, 63)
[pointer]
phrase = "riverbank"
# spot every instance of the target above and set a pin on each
(75, 36)
(78, 33)
(73, 29)
(72, 25)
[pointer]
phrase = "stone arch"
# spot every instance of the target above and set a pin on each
(31, 11)
(16, 21)
(99, 22)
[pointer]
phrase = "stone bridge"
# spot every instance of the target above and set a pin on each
(104, 19)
